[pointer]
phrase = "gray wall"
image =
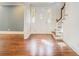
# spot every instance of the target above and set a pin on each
(11, 18)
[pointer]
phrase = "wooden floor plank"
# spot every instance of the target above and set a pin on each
(15, 45)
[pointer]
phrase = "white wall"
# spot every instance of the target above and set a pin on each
(71, 26)
(27, 20)
(43, 26)
(45, 18)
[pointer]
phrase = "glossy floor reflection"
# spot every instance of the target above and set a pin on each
(45, 45)
(35, 45)
(40, 47)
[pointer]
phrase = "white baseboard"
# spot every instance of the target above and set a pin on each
(42, 33)
(72, 47)
(11, 32)
(27, 35)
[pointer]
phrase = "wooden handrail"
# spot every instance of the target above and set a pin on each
(61, 13)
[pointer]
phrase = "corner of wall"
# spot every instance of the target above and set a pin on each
(72, 47)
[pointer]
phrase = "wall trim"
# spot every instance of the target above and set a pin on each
(26, 36)
(72, 47)
(11, 32)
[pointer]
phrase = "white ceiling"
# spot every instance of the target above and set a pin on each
(56, 4)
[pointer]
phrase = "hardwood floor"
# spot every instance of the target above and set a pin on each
(15, 45)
